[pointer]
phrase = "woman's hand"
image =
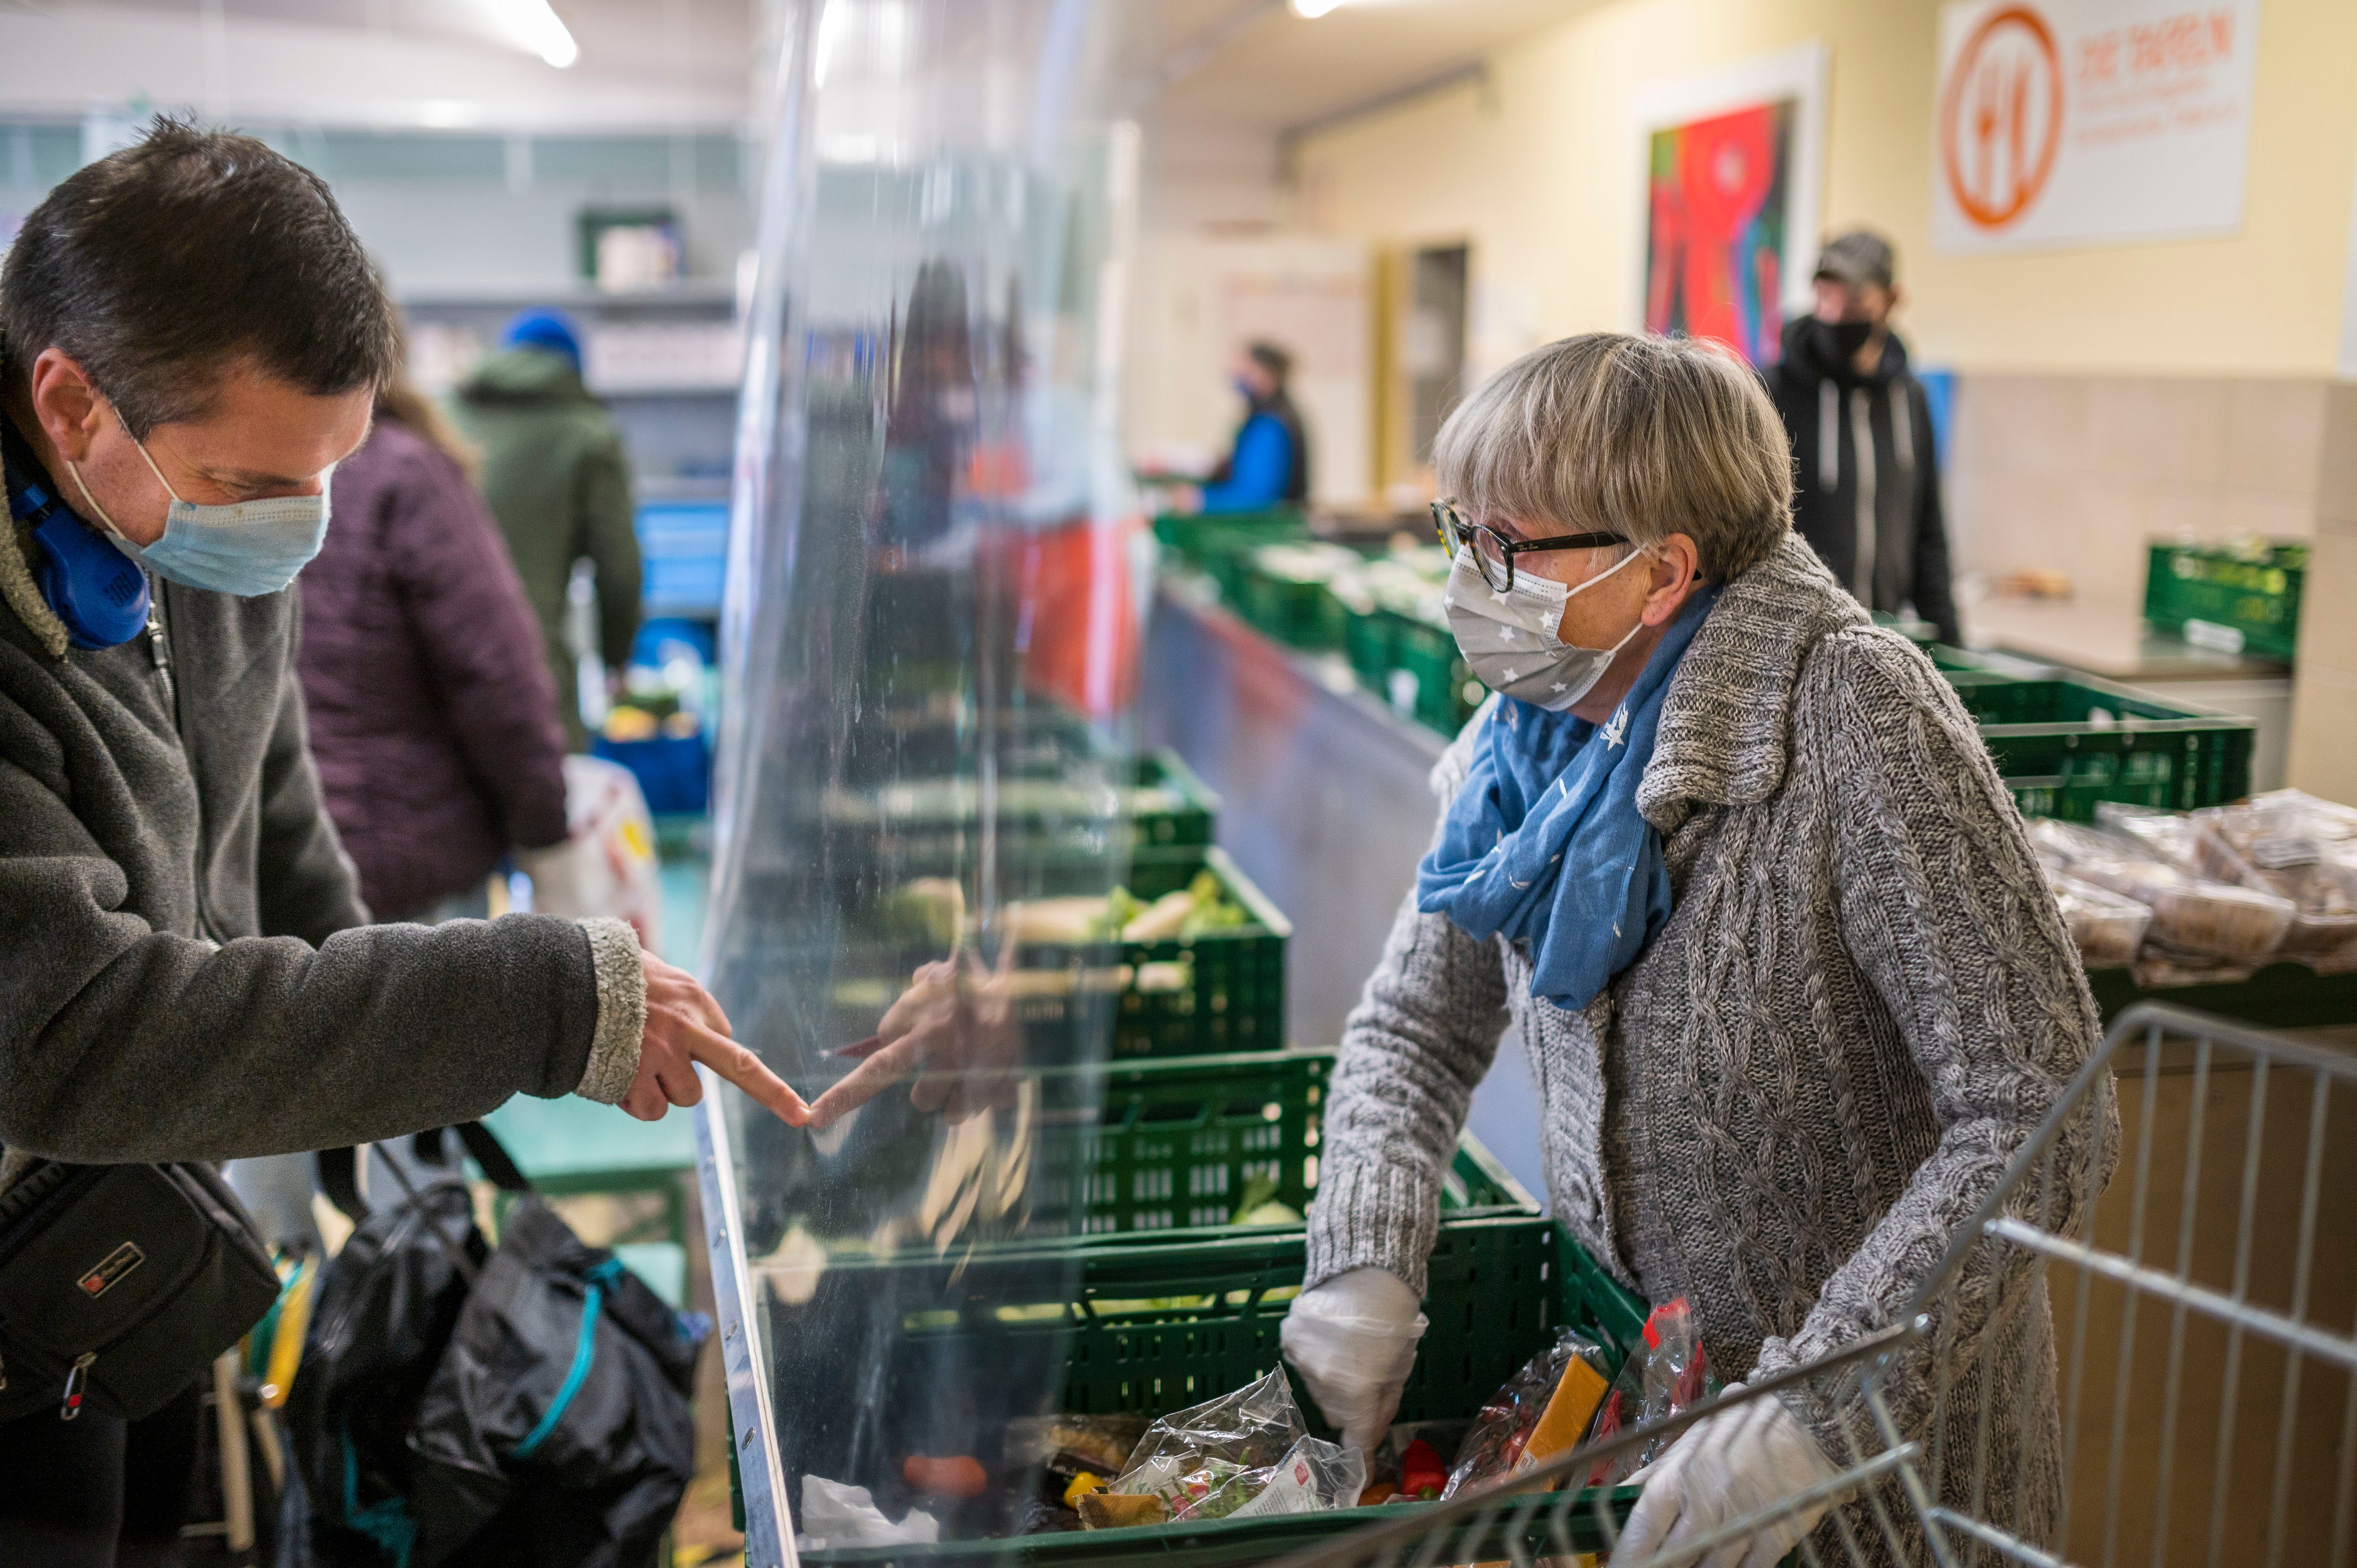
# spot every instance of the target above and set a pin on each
(1736, 1462)
(1353, 1338)
(954, 1030)
(684, 1026)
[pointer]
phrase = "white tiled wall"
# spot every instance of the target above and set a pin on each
(2078, 474)
(2324, 687)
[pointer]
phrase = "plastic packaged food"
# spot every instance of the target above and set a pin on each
(2107, 928)
(1494, 1448)
(2167, 836)
(2158, 966)
(2190, 913)
(2293, 845)
(1671, 1372)
(1243, 1455)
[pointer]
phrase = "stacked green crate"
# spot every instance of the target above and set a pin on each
(2063, 745)
(1220, 990)
(1288, 592)
(2238, 601)
(1179, 1144)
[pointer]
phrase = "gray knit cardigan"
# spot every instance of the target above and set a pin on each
(1864, 1002)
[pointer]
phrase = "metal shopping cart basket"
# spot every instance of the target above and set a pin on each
(2204, 1308)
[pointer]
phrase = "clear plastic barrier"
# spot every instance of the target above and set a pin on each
(924, 780)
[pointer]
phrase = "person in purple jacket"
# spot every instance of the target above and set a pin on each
(433, 714)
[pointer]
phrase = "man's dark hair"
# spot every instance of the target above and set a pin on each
(160, 266)
(1272, 359)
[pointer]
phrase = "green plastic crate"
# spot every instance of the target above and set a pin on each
(1170, 1145)
(1301, 614)
(934, 825)
(1445, 693)
(1222, 991)
(1367, 644)
(2222, 598)
(2064, 744)
(1154, 1327)
(1234, 996)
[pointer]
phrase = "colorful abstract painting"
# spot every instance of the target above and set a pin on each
(1718, 211)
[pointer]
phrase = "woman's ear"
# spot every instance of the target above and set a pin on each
(1676, 572)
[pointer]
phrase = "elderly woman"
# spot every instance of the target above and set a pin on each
(1735, 862)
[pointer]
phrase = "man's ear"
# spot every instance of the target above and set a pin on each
(66, 403)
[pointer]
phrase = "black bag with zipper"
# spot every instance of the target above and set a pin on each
(119, 1285)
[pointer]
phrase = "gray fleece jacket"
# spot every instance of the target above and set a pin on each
(1864, 1002)
(187, 970)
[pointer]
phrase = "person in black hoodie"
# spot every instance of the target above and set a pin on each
(1867, 491)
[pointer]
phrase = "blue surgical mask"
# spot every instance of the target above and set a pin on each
(247, 548)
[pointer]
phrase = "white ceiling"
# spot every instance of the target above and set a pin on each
(1226, 78)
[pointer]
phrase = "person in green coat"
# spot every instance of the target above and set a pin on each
(556, 479)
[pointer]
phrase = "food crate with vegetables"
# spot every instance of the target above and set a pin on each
(1153, 1330)
(1286, 591)
(1189, 1141)
(2063, 745)
(1188, 954)
(1439, 688)
(2236, 601)
(928, 825)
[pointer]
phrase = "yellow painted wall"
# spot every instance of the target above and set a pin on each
(1540, 170)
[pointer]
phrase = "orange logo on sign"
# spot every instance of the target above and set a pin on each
(2001, 116)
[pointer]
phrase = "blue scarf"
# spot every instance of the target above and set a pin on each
(1544, 842)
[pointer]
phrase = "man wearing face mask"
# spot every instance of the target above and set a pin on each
(1867, 480)
(1269, 463)
(190, 338)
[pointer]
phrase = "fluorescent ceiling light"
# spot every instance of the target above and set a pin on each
(531, 25)
(1314, 8)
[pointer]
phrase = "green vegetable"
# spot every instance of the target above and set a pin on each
(1214, 909)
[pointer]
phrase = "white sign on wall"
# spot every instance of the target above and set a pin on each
(2068, 121)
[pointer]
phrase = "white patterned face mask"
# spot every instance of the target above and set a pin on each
(1510, 639)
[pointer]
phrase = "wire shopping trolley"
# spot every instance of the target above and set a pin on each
(2204, 1353)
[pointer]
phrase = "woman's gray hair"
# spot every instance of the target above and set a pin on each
(1640, 437)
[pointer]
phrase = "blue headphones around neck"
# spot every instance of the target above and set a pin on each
(99, 593)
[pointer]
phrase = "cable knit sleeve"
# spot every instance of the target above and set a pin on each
(1421, 1038)
(1944, 910)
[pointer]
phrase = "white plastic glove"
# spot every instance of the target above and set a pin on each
(1354, 1341)
(1735, 1462)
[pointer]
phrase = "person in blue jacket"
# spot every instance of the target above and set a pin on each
(1269, 463)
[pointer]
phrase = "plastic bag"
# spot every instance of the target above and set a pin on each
(2165, 836)
(2298, 848)
(2106, 928)
(1669, 1373)
(1495, 1445)
(836, 1515)
(606, 863)
(2190, 914)
(1219, 1459)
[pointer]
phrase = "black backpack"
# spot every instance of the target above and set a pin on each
(461, 1406)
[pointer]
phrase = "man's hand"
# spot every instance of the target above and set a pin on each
(955, 1029)
(684, 1026)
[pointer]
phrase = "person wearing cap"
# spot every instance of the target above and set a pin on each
(1268, 464)
(1866, 492)
(560, 487)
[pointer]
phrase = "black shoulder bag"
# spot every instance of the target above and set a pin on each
(120, 1284)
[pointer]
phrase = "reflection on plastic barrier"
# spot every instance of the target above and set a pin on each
(924, 767)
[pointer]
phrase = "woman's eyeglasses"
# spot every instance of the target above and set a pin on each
(1494, 553)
